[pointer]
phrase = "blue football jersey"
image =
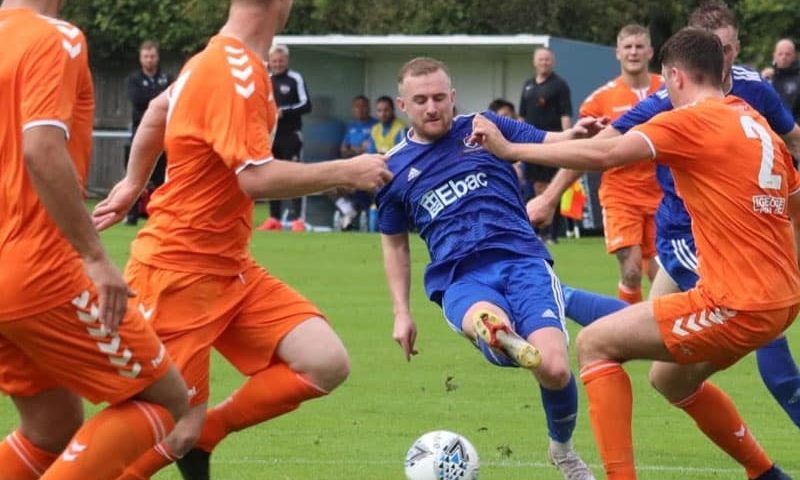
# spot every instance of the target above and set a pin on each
(459, 197)
(672, 219)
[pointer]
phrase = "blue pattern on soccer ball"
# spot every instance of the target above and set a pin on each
(451, 462)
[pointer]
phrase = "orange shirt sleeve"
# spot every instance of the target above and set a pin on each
(674, 137)
(592, 106)
(238, 124)
(51, 72)
(80, 141)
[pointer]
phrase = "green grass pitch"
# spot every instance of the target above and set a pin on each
(362, 430)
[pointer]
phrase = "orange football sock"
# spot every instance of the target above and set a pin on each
(269, 393)
(149, 463)
(629, 295)
(22, 460)
(610, 409)
(716, 415)
(111, 440)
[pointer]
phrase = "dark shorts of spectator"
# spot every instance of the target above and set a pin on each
(287, 147)
(538, 173)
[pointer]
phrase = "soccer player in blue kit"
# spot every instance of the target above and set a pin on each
(489, 272)
(674, 241)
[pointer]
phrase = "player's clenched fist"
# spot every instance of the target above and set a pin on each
(368, 172)
(541, 211)
(486, 133)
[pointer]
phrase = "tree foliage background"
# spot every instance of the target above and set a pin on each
(116, 27)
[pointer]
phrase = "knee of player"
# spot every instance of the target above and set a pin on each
(660, 380)
(632, 276)
(332, 371)
(655, 380)
(553, 375)
(52, 428)
(185, 435)
(56, 433)
(588, 349)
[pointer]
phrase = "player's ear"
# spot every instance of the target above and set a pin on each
(401, 104)
(680, 77)
(453, 95)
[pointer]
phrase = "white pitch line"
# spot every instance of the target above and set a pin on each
(500, 463)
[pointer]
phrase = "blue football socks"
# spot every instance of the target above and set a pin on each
(585, 307)
(780, 375)
(561, 410)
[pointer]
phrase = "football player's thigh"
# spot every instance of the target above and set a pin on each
(623, 228)
(19, 374)
(270, 310)
(695, 331)
(70, 344)
(188, 311)
(537, 307)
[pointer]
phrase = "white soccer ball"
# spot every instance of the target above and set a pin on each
(442, 455)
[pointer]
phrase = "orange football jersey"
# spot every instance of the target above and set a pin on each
(80, 142)
(40, 71)
(633, 184)
(735, 176)
(221, 118)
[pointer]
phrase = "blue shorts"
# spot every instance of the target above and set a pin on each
(678, 257)
(525, 288)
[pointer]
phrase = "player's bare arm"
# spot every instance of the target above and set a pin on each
(794, 213)
(792, 139)
(53, 176)
(148, 143)
(397, 264)
(282, 179)
(588, 154)
(542, 207)
(566, 122)
(584, 128)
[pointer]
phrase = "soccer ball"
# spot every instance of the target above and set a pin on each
(442, 455)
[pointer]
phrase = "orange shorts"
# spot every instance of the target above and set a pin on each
(694, 330)
(629, 225)
(65, 347)
(244, 317)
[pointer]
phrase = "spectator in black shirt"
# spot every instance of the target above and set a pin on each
(785, 75)
(145, 84)
(545, 104)
(291, 96)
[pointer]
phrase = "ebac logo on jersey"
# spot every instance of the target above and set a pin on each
(444, 195)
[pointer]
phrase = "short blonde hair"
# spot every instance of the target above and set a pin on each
(279, 47)
(632, 29)
(421, 66)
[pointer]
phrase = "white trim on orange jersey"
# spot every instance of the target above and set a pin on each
(649, 142)
(254, 163)
(47, 123)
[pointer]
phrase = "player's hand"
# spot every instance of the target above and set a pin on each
(405, 334)
(367, 171)
(486, 134)
(116, 205)
(112, 290)
(541, 211)
(588, 127)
